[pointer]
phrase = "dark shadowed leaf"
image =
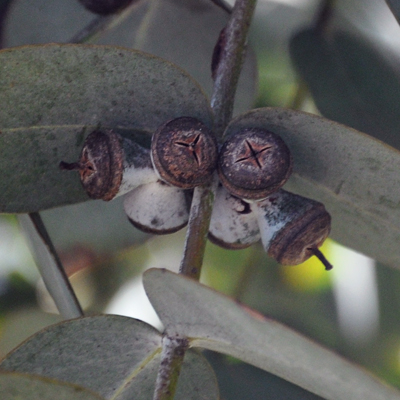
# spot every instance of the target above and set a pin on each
(16, 386)
(115, 356)
(354, 175)
(189, 30)
(395, 7)
(42, 21)
(217, 323)
(53, 95)
(351, 82)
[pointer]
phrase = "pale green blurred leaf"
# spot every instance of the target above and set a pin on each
(213, 321)
(16, 386)
(115, 356)
(351, 81)
(354, 175)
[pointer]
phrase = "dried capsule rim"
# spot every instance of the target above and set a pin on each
(102, 154)
(292, 244)
(253, 163)
(176, 159)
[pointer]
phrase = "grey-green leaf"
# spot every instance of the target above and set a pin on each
(356, 177)
(17, 386)
(53, 95)
(213, 321)
(351, 81)
(115, 356)
(189, 30)
(79, 84)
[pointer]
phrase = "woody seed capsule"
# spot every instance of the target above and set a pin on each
(111, 165)
(292, 227)
(184, 152)
(253, 163)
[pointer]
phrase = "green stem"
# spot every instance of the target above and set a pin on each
(172, 355)
(50, 266)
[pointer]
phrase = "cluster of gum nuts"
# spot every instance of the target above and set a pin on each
(253, 164)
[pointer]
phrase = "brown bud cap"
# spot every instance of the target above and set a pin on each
(184, 152)
(104, 7)
(101, 164)
(254, 163)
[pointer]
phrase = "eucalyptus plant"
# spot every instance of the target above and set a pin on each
(61, 100)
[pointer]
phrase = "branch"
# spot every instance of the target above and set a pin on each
(172, 355)
(196, 235)
(230, 62)
(102, 24)
(226, 75)
(50, 266)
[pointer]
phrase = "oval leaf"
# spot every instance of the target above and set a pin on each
(351, 82)
(79, 84)
(115, 356)
(354, 175)
(16, 386)
(216, 322)
(52, 97)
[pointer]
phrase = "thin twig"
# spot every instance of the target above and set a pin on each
(172, 355)
(324, 15)
(223, 4)
(226, 76)
(230, 63)
(50, 266)
(102, 24)
(196, 235)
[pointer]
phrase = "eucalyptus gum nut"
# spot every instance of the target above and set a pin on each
(157, 208)
(184, 152)
(111, 165)
(233, 224)
(292, 227)
(253, 163)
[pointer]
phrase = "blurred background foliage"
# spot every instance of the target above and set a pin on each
(354, 309)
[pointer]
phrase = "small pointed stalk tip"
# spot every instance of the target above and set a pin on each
(70, 166)
(317, 252)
